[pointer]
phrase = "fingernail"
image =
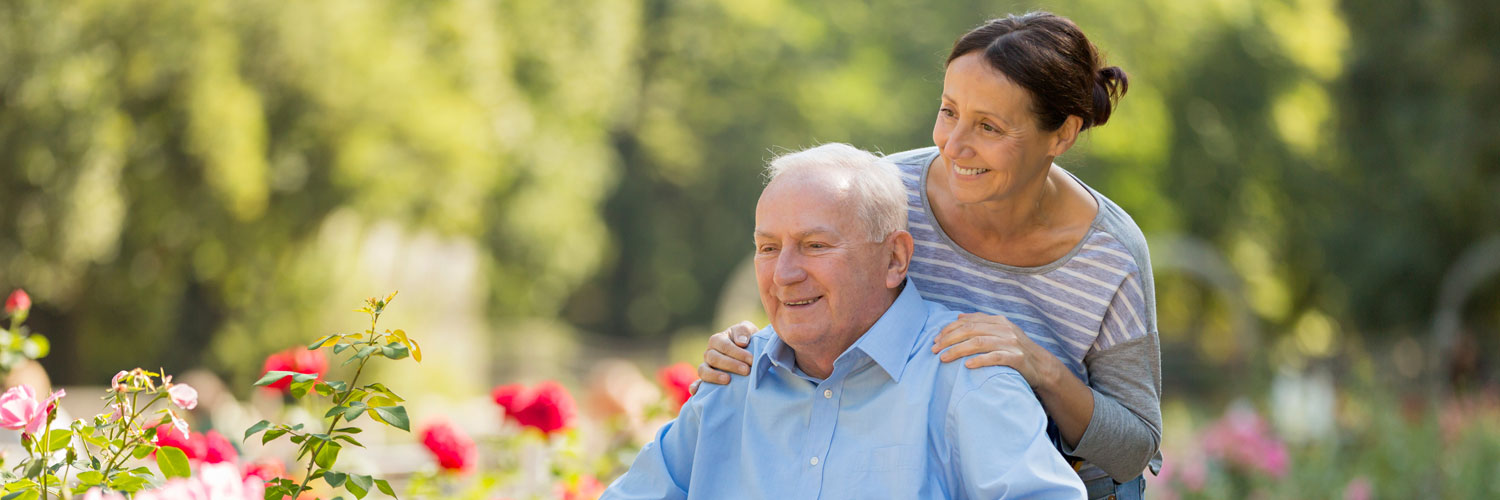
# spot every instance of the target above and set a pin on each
(740, 338)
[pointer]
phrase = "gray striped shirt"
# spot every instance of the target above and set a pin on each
(1095, 309)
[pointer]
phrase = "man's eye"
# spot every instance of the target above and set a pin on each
(765, 249)
(817, 245)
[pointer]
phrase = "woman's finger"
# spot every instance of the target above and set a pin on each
(971, 346)
(722, 344)
(741, 333)
(693, 387)
(709, 374)
(719, 361)
(994, 358)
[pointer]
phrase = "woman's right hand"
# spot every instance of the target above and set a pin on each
(726, 353)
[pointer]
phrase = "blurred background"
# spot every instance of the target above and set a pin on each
(201, 183)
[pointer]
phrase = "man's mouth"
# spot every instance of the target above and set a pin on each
(802, 303)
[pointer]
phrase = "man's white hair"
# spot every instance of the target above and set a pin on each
(875, 192)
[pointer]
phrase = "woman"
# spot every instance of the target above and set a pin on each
(1055, 277)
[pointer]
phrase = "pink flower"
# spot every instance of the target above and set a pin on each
(184, 396)
(19, 409)
(676, 378)
(1359, 489)
(116, 383)
(453, 450)
(1244, 439)
(585, 488)
(18, 301)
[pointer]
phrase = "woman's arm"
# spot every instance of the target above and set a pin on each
(1114, 422)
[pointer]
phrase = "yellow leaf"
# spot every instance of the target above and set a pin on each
(416, 350)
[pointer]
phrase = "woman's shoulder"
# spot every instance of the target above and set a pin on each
(912, 161)
(1118, 230)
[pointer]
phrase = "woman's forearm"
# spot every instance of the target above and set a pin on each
(1067, 400)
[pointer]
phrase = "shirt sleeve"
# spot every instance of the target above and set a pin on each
(997, 437)
(665, 465)
(1124, 366)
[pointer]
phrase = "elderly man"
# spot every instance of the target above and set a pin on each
(845, 400)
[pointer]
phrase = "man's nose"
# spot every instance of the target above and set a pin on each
(789, 268)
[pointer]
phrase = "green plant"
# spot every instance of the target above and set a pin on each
(349, 402)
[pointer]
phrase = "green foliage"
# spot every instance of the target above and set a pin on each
(348, 401)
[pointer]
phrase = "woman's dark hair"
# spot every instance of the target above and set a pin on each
(1048, 55)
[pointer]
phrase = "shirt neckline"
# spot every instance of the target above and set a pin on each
(937, 227)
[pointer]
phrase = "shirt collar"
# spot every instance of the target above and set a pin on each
(889, 342)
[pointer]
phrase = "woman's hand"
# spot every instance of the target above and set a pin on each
(726, 353)
(994, 341)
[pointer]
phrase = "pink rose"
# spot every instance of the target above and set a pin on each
(115, 382)
(218, 449)
(18, 301)
(19, 409)
(184, 396)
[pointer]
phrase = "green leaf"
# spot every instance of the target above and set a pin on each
(339, 347)
(259, 426)
(334, 479)
(58, 439)
(299, 388)
(273, 376)
(327, 455)
(272, 435)
(338, 385)
(350, 430)
(172, 462)
(323, 389)
(385, 487)
(349, 440)
(22, 495)
(320, 342)
(354, 410)
(140, 452)
(394, 350)
(33, 469)
(364, 352)
(359, 485)
(91, 477)
(394, 416)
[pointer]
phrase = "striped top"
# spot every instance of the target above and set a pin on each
(1084, 307)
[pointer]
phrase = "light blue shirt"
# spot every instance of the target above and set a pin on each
(891, 421)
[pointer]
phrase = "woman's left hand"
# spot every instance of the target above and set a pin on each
(991, 340)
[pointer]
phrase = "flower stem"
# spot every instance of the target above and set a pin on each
(313, 460)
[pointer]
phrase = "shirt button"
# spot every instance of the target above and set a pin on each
(827, 393)
(815, 460)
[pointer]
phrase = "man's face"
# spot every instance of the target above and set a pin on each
(822, 282)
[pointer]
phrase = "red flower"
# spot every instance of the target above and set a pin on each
(217, 448)
(298, 360)
(676, 379)
(266, 469)
(194, 446)
(511, 397)
(18, 301)
(547, 407)
(453, 450)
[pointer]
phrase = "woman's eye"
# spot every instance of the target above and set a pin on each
(988, 128)
(945, 112)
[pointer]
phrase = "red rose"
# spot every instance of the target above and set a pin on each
(676, 379)
(217, 449)
(547, 407)
(266, 469)
(18, 301)
(298, 360)
(511, 397)
(453, 450)
(194, 446)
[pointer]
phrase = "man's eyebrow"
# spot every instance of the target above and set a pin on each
(802, 234)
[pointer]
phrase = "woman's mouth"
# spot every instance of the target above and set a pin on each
(969, 171)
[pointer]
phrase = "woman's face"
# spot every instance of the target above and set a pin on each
(988, 137)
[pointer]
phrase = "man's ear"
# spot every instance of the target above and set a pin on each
(899, 245)
(1064, 137)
